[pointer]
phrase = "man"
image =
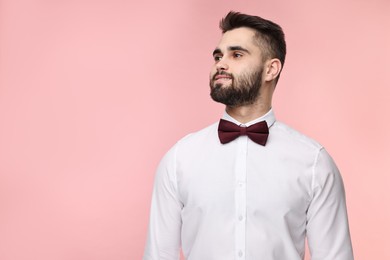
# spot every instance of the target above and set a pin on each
(248, 187)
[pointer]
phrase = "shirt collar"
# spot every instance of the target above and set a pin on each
(269, 117)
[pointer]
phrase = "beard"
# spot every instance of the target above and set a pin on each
(243, 90)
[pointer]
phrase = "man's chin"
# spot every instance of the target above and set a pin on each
(222, 85)
(218, 97)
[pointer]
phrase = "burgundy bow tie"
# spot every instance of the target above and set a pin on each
(228, 131)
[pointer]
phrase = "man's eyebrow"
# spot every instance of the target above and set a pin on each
(231, 48)
(217, 51)
(238, 48)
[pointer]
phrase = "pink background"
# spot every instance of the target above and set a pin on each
(82, 84)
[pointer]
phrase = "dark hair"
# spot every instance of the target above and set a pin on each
(270, 36)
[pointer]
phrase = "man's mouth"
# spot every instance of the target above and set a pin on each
(222, 77)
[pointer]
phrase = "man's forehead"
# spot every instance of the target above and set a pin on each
(244, 37)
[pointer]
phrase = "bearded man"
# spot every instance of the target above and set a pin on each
(248, 187)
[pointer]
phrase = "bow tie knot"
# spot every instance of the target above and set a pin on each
(242, 130)
(228, 131)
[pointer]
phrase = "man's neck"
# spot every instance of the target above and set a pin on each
(245, 114)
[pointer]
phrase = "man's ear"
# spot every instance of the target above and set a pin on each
(272, 69)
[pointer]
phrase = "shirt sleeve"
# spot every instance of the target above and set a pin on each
(327, 222)
(163, 239)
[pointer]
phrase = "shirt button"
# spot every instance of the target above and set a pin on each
(240, 218)
(240, 253)
(241, 184)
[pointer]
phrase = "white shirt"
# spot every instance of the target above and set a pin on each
(244, 201)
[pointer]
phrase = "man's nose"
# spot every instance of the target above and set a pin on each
(222, 65)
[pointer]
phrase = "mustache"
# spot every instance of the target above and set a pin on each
(222, 73)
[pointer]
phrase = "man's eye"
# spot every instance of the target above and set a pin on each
(217, 58)
(237, 55)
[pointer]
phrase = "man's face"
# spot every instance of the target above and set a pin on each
(236, 76)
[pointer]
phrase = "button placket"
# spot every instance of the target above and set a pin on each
(240, 197)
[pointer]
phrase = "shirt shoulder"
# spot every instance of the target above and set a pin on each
(208, 134)
(301, 147)
(192, 143)
(281, 132)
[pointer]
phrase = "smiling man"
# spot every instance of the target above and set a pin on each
(248, 187)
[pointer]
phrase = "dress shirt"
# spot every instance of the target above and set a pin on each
(244, 201)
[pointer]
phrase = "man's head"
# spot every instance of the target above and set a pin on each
(252, 51)
(268, 35)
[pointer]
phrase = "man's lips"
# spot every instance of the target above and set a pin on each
(222, 77)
